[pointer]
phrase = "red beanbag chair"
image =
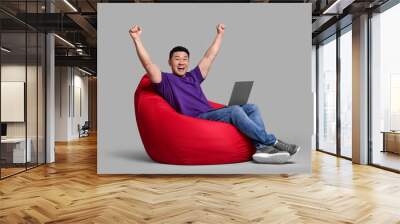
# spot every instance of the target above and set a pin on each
(173, 138)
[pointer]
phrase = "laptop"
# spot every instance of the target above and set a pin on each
(240, 93)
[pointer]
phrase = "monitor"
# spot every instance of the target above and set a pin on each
(3, 129)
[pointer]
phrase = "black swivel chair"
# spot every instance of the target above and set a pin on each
(84, 130)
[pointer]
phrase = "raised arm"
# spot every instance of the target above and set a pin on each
(152, 70)
(208, 58)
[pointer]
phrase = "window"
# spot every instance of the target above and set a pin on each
(385, 88)
(327, 96)
(346, 93)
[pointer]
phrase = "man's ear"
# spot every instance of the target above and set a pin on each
(169, 62)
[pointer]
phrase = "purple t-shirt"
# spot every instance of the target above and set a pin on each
(184, 93)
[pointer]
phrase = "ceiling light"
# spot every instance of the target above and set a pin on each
(84, 71)
(79, 51)
(337, 7)
(70, 5)
(65, 41)
(5, 49)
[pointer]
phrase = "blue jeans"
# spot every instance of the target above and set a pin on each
(247, 119)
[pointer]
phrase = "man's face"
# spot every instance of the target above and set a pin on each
(179, 63)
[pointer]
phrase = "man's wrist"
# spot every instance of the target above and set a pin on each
(136, 39)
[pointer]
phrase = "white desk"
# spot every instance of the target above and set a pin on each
(18, 149)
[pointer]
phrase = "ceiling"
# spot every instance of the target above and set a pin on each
(77, 22)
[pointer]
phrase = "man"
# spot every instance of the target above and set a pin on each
(181, 89)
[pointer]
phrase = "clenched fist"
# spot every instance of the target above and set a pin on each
(135, 31)
(220, 28)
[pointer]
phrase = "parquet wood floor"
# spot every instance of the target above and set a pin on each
(70, 191)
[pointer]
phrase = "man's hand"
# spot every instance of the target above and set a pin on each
(152, 70)
(220, 28)
(135, 32)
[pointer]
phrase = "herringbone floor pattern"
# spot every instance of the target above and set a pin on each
(70, 191)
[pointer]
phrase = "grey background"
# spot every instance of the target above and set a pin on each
(267, 43)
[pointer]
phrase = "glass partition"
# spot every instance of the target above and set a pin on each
(32, 95)
(327, 95)
(22, 77)
(13, 109)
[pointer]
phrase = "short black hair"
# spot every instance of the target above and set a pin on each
(178, 48)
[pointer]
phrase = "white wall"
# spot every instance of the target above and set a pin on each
(13, 73)
(33, 127)
(79, 117)
(62, 81)
(17, 72)
(69, 82)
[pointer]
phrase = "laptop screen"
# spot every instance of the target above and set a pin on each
(240, 93)
(3, 129)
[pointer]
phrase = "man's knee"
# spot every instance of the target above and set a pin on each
(251, 107)
(236, 110)
(237, 114)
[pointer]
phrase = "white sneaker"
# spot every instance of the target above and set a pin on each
(277, 157)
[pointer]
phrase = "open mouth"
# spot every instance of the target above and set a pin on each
(181, 69)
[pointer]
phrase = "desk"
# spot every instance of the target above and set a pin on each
(391, 141)
(13, 150)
